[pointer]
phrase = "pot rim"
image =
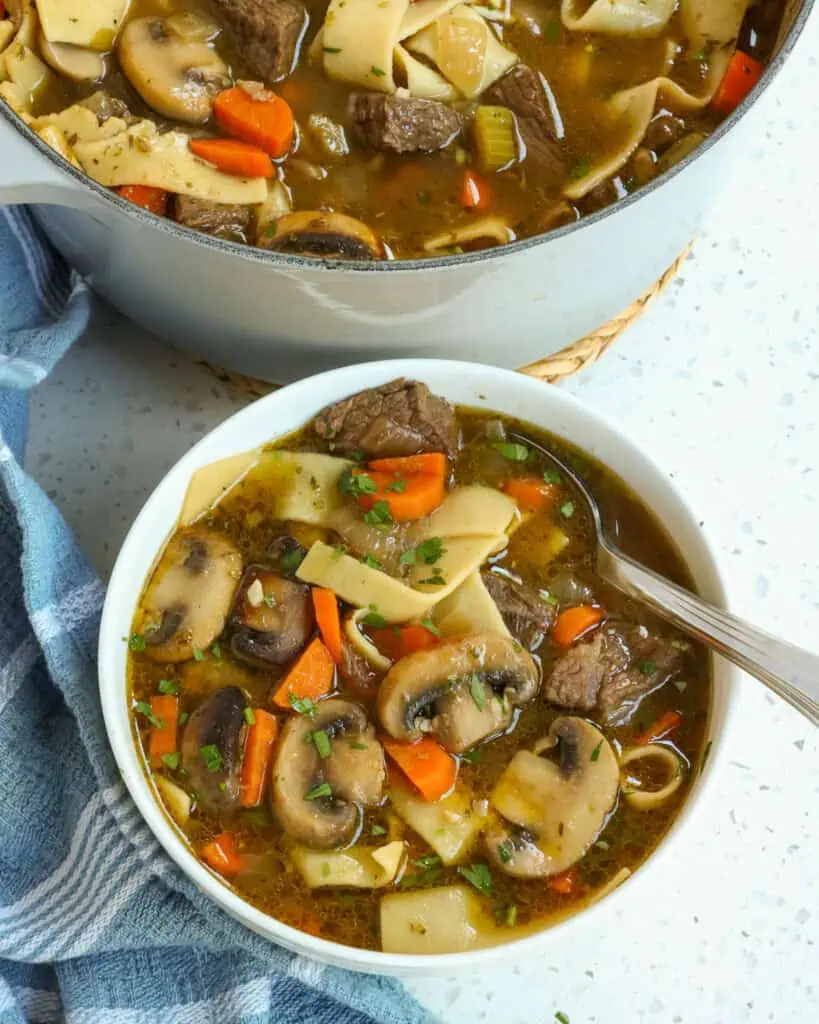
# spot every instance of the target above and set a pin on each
(283, 260)
(290, 407)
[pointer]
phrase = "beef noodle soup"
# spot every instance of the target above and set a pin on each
(383, 694)
(374, 129)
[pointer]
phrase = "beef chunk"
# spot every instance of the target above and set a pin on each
(521, 90)
(611, 672)
(526, 615)
(402, 417)
(221, 220)
(266, 33)
(578, 675)
(401, 124)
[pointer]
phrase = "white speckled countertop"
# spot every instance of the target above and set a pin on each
(720, 384)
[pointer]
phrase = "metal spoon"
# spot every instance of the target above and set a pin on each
(789, 671)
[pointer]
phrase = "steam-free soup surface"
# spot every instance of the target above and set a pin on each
(516, 745)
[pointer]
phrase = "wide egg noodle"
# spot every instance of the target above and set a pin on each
(470, 510)
(469, 609)
(358, 40)
(422, 81)
(90, 23)
(714, 26)
(617, 17)
(361, 643)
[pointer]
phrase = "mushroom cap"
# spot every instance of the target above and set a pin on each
(354, 770)
(272, 617)
(75, 62)
(553, 810)
(187, 600)
(218, 722)
(461, 691)
(329, 235)
(176, 74)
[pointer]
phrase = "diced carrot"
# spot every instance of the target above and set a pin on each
(325, 604)
(574, 623)
(566, 883)
(233, 157)
(221, 854)
(425, 763)
(428, 464)
(475, 192)
(741, 76)
(165, 709)
(265, 120)
(149, 198)
(529, 491)
(309, 678)
(256, 763)
(665, 724)
(399, 641)
(407, 497)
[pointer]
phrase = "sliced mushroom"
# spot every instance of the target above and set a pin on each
(75, 62)
(175, 75)
(327, 767)
(553, 810)
(188, 598)
(272, 617)
(212, 749)
(460, 692)
(328, 235)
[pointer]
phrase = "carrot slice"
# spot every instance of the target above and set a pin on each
(407, 498)
(149, 198)
(397, 642)
(165, 709)
(265, 120)
(428, 464)
(325, 604)
(310, 677)
(233, 157)
(741, 76)
(574, 622)
(426, 764)
(256, 762)
(665, 724)
(529, 492)
(221, 854)
(567, 883)
(475, 192)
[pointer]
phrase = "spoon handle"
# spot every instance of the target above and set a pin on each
(789, 671)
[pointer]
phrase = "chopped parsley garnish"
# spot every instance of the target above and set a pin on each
(331, 49)
(544, 595)
(302, 705)
(473, 757)
(290, 561)
(595, 754)
(321, 741)
(137, 642)
(427, 860)
(355, 745)
(323, 789)
(325, 868)
(183, 717)
(512, 450)
(504, 852)
(551, 476)
(373, 618)
(476, 689)
(379, 514)
(580, 168)
(339, 551)
(198, 654)
(561, 1017)
(428, 552)
(511, 917)
(250, 717)
(478, 875)
(171, 760)
(378, 72)
(647, 667)
(435, 580)
(356, 455)
(145, 709)
(371, 562)
(430, 626)
(355, 483)
(398, 486)
(216, 650)
(567, 509)
(168, 686)
(212, 756)
(377, 830)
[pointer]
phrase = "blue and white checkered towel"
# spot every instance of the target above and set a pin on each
(96, 923)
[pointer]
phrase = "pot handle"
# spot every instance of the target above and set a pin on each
(29, 176)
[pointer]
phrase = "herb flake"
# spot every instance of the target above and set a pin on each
(323, 789)
(478, 875)
(212, 756)
(512, 450)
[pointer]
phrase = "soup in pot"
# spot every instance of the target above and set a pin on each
(383, 694)
(379, 129)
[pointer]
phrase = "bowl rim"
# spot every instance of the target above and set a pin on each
(285, 260)
(300, 401)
